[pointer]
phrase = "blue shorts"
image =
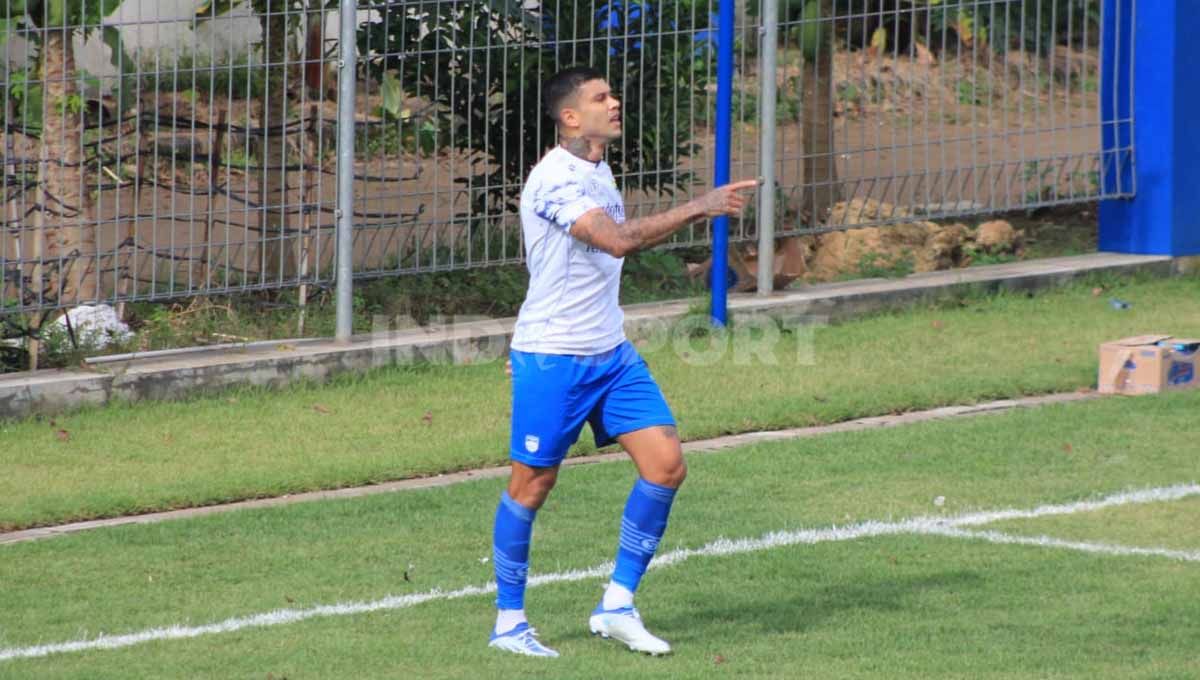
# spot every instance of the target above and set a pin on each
(555, 394)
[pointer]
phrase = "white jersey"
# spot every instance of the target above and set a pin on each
(571, 306)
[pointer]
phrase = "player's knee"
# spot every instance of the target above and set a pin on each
(532, 493)
(676, 473)
(542, 487)
(669, 473)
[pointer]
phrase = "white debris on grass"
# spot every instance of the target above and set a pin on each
(94, 326)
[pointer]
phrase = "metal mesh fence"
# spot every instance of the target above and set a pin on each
(155, 150)
(454, 116)
(895, 109)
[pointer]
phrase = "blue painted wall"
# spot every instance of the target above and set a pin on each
(1158, 41)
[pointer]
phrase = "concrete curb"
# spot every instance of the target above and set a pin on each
(699, 446)
(275, 364)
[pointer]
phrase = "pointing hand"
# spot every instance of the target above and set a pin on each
(727, 199)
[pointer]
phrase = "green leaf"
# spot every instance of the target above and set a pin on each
(811, 27)
(427, 137)
(879, 40)
(7, 26)
(56, 11)
(27, 97)
(393, 96)
(13, 8)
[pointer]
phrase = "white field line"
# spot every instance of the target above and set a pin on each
(1166, 493)
(1083, 546)
(945, 526)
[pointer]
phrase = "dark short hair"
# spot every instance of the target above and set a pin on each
(561, 86)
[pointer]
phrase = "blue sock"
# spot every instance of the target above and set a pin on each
(510, 551)
(642, 527)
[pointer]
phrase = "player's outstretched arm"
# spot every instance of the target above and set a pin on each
(597, 229)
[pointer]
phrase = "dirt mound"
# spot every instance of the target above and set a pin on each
(893, 249)
(998, 236)
(908, 246)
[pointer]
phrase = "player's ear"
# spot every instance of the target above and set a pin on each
(568, 118)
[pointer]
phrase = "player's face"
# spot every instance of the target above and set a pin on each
(599, 111)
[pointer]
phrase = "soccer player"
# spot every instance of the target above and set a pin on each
(571, 363)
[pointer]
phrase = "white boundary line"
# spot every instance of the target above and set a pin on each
(1083, 546)
(1155, 495)
(940, 526)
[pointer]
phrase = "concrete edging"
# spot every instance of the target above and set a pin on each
(275, 364)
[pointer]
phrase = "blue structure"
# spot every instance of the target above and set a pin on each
(720, 256)
(1150, 99)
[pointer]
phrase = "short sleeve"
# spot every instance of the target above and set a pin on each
(563, 202)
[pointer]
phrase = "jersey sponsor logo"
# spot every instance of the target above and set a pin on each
(532, 443)
(615, 211)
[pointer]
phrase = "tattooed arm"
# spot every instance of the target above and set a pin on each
(599, 230)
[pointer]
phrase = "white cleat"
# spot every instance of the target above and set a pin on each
(625, 625)
(521, 640)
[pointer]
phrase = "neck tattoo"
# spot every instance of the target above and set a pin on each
(580, 147)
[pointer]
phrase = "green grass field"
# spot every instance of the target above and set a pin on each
(414, 421)
(889, 604)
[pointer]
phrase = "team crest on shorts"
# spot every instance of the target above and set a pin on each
(532, 443)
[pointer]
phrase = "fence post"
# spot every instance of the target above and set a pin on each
(345, 171)
(768, 46)
(724, 130)
(1149, 95)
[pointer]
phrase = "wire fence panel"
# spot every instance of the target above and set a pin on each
(892, 109)
(158, 150)
(453, 120)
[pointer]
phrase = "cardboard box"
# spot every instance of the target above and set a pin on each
(1147, 364)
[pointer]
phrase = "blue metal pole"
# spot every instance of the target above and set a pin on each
(720, 261)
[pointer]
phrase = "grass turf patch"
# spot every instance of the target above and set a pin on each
(861, 607)
(896, 607)
(414, 421)
(1167, 525)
